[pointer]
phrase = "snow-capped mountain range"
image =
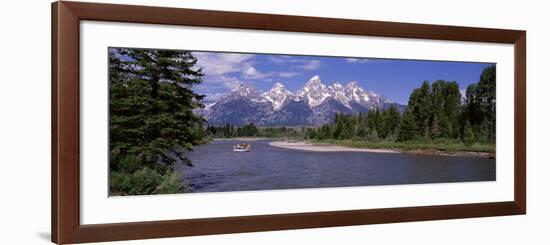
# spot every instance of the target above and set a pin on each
(314, 104)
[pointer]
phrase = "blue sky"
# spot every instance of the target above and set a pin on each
(395, 79)
(392, 78)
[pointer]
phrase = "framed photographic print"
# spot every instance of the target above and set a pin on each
(176, 122)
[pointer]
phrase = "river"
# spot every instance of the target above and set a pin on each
(217, 168)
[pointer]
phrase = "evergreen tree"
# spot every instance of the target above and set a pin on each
(361, 132)
(347, 128)
(310, 133)
(486, 132)
(426, 127)
(480, 108)
(248, 130)
(487, 92)
(420, 106)
(408, 128)
(338, 128)
(452, 107)
(152, 105)
(324, 132)
(468, 136)
(392, 120)
(435, 131)
(438, 97)
(445, 128)
(374, 135)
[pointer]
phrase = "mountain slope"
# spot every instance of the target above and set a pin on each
(313, 104)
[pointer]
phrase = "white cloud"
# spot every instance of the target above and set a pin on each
(221, 63)
(281, 59)
(276, 59)
(311, 65)
(355, 60)
(302, 63)
(229, 82)
(252, 73)
(288, 74)
(213, 84)
(217, 67)
(226, 71)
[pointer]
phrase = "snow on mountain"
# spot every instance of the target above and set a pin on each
(313, 104)
(353, 93)
(337, 92)
(278, 95)
(356, 93)
(244, 91)
(209, 105)
(314, 92)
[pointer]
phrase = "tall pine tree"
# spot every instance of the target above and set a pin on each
(152, 105)
(408, 128)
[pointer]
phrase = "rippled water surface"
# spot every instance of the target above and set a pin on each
(218, 168)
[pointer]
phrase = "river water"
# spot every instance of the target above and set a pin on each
(217, 168)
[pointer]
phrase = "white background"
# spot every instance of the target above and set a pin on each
(25, 127)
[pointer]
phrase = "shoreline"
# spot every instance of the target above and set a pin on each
(327, 147)
(244, 139)
(305, 146)
(454, 154)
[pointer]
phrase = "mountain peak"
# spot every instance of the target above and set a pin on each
(244, 89)
(337, 85)
(314, 92)
(278, 85)
(313, 104)
(243, 86)
(352, 84)
(277, 95)
(278, 88)
(315, 79)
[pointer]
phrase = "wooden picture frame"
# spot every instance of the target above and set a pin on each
(65, 174)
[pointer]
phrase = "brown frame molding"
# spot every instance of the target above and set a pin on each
(65, 175)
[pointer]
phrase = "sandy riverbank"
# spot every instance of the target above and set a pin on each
(304, 146)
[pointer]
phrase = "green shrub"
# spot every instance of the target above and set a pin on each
(125, 164)
(171, 183)
(119, 183)
(144, 181)
(468, 136)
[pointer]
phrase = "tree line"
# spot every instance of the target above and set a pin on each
(434, 111)
(251, 130)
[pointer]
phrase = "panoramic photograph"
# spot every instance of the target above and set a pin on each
(184, 121)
